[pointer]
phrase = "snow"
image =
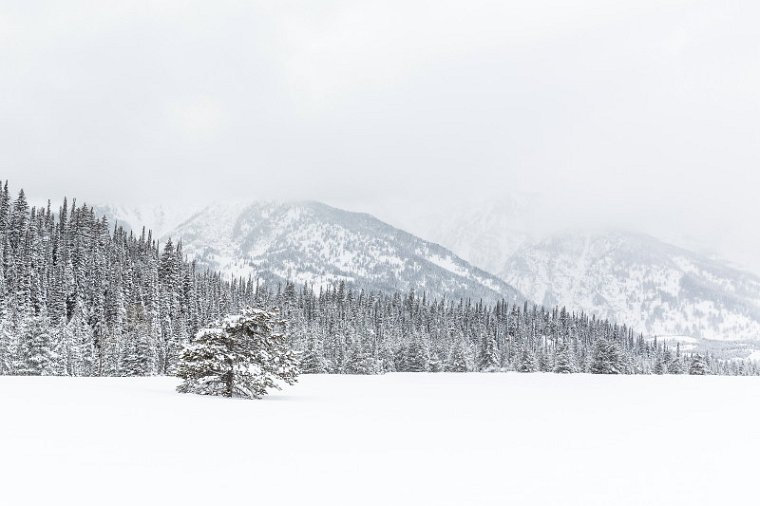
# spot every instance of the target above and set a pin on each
(446, 263)
(652, 287)
(398, 439)
(161, 219)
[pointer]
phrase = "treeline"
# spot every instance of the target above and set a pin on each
(80, 298)
(83, 298)
(340, 331)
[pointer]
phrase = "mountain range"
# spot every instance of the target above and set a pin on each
(485, 252)
(657, 288)
(310, 242)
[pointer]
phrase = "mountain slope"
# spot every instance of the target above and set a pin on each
(483, 233)
(655, 287)
(160, 219)
(314, 243)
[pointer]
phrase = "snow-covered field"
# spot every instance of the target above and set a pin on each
(398, 439)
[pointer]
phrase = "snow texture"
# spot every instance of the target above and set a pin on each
(400, 439)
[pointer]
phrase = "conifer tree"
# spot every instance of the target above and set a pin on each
(244, 356)
(606, 358)
(417, 357)
(312, 359)
(435, 364)
(675, 366)
(527, 360)
(387, 363)
(459, 359)
(659, 365)
(488, 357)
(7, 348)
(82, 344)
(563, 362)
(544, 360)
(697, 365)
(360, 361)
(37, 356)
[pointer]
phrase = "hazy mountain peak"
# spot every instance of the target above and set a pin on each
(636, 279)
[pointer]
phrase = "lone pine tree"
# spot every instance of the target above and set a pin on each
(244, 356)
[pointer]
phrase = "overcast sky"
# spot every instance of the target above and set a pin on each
(643, 113)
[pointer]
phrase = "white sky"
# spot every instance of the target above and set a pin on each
(640, 113)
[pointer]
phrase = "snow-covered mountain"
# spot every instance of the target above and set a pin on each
(657, 288)
(315, 243)
(484, 234)
(630, 278)
(159, 219)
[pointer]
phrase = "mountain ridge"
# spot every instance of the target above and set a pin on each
(307, 241)
(626, 276)
(636, 279)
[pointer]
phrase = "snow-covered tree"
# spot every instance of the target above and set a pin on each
(436, 363)
(244, 356)
(7, 348)
(526, 362)
(312, 358)
(360, 361)
(488, 356)
(460, 358)
(697, 365)
(387, 363)
(544, 360)
(564, 362)
(675, 366)
(36, 349)
(82, 341)
(659, 365)
(606, 358)
(417, 356)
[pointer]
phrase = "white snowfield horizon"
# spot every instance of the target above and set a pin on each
(401, 439)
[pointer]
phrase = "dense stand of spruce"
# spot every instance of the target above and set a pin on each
(340, 331)
(79, 297)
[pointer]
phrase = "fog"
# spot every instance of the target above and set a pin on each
(640, 114)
